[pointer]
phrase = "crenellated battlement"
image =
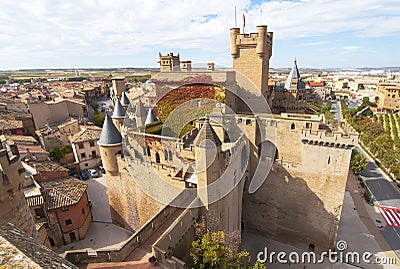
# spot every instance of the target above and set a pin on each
(261, 41)
(329, 139)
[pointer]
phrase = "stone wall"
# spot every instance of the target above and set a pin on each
(300, 202)
(130, 207)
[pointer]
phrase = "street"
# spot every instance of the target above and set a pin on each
(336, 110)
(384, 193)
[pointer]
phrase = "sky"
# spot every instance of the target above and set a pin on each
(131, 33)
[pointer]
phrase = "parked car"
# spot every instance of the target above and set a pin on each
(101, 168)
(84, 175)
(93, 172)
(75, 175)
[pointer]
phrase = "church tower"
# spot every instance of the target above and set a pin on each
(251, 53)
(294, 83)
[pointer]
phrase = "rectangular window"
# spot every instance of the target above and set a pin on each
(80, 145)
(64, 208)
(83, 155)
(91, 143)
(94, 154)
(68, 222)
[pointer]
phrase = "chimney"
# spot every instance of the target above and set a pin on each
(186, 66)
(210, 66)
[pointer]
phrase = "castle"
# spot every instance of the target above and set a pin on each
(160, 185)
(13, 206)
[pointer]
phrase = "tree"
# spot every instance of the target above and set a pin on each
(98, 118)
(58, 153)
(358, 162)
(216, 250)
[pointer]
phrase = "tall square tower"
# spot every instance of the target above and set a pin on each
(251, 53)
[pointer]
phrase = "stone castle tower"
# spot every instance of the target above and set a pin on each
(13, 206)
(208, 160)
(118, 87)
(110, 143)
(251, 54)
(169, 62)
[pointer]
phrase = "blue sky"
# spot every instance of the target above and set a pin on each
(130, 33)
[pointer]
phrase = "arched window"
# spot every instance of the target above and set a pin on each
(292, 126)
(170, 155)
(157, 157)
(148, 151)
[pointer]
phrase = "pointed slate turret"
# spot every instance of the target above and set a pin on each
(125, 100)
(294, 78)
(119, 111)
(140, 110)
(207, 133)
(150, 117)
(109, 134)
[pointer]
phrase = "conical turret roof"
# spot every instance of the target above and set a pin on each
(140, 110)
(150, 117)
(125, 100)
(119, 111)
(207, 133)
(110, 135)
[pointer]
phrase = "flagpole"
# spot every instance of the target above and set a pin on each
(244, 22)
(235, 18)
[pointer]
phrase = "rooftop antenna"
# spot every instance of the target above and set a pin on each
(261, 17)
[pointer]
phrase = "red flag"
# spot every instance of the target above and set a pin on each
(244, 21)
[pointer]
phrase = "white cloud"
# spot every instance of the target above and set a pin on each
(104, 28)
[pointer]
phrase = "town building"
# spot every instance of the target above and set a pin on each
(389, 96)
(58, 135)
(62, 205)
(85, 148)
(56, 111)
